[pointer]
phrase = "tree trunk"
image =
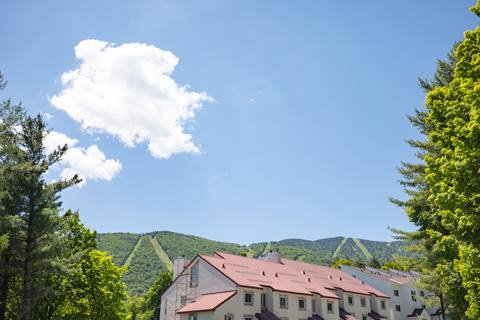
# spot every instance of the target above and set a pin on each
(5, 284)
(28, 270)
(442, 306)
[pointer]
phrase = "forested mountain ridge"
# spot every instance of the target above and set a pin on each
(147, 255)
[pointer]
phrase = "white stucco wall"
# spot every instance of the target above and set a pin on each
(237, 307)
(356, 309)
(404, 299)
(210, 280)
(293, 312)
(323, 308)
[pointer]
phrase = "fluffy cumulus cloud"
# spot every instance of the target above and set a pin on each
(90, 163)
(127, 91)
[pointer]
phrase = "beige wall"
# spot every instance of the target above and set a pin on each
(324, 311)
(293, 312)
(356, 309)
(236, 306)
(376, 306)
(210, 280)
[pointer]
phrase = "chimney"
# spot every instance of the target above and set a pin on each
(272, 256)
(179, 265)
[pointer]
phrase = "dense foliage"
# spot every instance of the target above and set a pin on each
(144, 263)
(144, 268)
(443, 188)
(148, 307)
(178, 245)
(118, 245)
(49, 263)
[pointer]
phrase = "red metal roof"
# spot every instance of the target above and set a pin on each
(207, 302)
(287, 276)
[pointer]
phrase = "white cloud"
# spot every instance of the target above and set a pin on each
(90, 163)
(127, 91)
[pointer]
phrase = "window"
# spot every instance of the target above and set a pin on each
(247, 317)
(283, 302)
(422, 293)
(165, 310)
(248, 298)
(314, 305)
(364, 317)
(183, 300)
(301, 304)
(350, 300)
(395, 293)
(414, 295)
(397, 308)
(194, 275)
(330, 307)
(363, 302)
(263, 300)
(382, 304)
(192, 316)
(228, 316)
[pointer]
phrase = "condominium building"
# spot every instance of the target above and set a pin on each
(231, 287)
(406, 299)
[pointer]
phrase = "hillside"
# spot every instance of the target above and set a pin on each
(147, 255)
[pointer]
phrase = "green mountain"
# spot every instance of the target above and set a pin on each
(148, 255)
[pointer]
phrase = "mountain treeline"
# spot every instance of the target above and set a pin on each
(148, 255)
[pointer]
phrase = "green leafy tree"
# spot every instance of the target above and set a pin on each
(443, 188)
(95, 290)
(452, 174)
(75, 242)
(374, 262)
(150, 307)
(337, 263)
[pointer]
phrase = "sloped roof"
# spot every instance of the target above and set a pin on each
(207, 302)
(393, 276)
(287, 276)
(334, 278)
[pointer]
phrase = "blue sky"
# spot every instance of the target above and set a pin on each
(303, 138)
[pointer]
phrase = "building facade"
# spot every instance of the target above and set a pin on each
(230, 287)
(406, 299)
